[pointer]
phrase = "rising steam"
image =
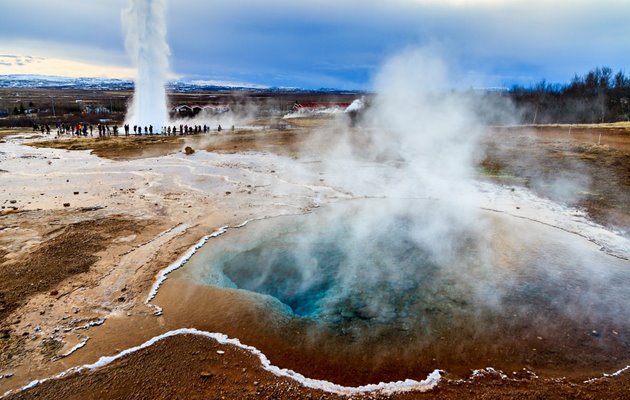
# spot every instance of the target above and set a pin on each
(417, 266)
(144, 26)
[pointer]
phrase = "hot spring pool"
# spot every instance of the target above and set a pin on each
(422, 286)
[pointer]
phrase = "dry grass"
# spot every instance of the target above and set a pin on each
(311, 122)
(11, 131)
(118, 147)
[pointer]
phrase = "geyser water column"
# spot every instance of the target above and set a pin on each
(144, 25)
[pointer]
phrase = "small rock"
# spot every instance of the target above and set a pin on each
(206, 375)
(54, 293)
(228, 193)
(13, 201)
(189, 150)
(595, 333)
(66, 204)
(220, 352)
(75, 193)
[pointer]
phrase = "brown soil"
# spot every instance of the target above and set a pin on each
(70, 250)
(190, 367)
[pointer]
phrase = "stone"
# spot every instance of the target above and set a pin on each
(189, 150)
(206, 375)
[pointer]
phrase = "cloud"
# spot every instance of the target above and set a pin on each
(338, 43)
(11, 65)
(12, 60)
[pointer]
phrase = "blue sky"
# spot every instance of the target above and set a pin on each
(325, 43)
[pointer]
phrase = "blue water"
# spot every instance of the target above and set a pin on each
(324, 267)
(322, 276)
(283, 277)
(409, 271)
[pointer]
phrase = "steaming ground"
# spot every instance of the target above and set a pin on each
(168, 202)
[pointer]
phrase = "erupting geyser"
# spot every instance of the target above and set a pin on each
(144, 24)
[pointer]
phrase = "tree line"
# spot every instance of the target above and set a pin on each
(598, 96)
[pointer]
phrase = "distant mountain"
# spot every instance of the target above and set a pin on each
(58, 82)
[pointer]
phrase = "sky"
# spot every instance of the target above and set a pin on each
(325, 43)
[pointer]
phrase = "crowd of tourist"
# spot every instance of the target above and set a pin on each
(103, 130)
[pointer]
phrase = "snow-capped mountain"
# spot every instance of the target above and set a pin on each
(58, 82)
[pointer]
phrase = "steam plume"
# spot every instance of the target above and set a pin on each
(144, 26)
